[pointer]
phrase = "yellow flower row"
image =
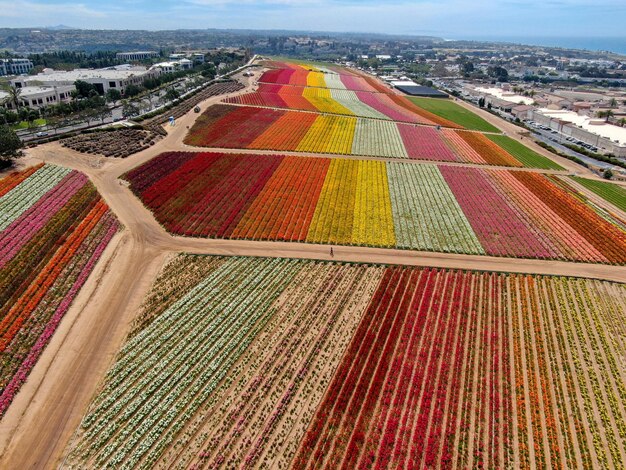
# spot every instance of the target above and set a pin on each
(329, 134)
(354, 206)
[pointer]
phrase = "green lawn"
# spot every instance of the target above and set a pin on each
(610, 192)
(24, 124)
(448, 109)
(528, 157)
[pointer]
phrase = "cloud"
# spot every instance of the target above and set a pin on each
(453, 18)
(26, 9)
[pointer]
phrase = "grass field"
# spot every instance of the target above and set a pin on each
(612, 193)
(525, 155)
(449, 110)
(24, 124)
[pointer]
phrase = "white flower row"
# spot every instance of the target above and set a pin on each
(28, 192)
(426, 214)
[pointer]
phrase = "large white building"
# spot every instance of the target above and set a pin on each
(173, 66)
(117, 78)
(39, 96)
(134, 56)
(15, 66)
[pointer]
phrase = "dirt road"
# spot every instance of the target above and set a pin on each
(40, 422)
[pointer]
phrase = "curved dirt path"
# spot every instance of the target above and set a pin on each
(63, 381)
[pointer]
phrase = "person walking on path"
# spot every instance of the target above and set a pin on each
(332, 254)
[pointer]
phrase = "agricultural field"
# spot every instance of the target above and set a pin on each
(344, 102)
(323, 78)
(407, 366)
(610, 192)
(244, 127)
(364, 202)
(448, 109)
(54, 227)
(528, 157)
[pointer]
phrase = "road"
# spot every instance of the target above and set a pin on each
(54, 398)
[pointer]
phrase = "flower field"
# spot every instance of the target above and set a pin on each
(406, 367)
(53, 229)
(322, 78)
(335, 90)
(339, 101)
(373, 203)
(246, 127)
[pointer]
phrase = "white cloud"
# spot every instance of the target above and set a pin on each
(32, 10)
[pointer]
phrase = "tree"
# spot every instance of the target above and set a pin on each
(129, 109)
(131, 90)
(605, 114)
(32, 117)
(608, 174)
(499, 73)
(55, 123)
(466, 66)
(15, 94)
(113, 95)
(622, 122)
(84, 89)
(612, 103)
(481, 102)
(10, 145)
(103, 113)
(171, 94)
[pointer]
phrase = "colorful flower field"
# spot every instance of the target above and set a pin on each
(373, 203)
(323, 78)
(307, 364)
(345, 102)
(244, 127)
(53, 229)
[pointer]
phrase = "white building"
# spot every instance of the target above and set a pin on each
(135, 56)
(117, 78)
(195, 57)
(40, 96)
(15, 66)
(173, 66)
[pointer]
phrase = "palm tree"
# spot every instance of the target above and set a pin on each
(622, 122)
(605, 114)
(14, 96)
(612, 103)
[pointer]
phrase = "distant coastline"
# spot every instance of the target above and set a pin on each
(612, 44)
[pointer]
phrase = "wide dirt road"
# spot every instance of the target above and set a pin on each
(40, 422)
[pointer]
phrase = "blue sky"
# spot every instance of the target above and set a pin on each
(446, 18)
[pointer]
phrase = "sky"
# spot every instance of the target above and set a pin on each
(450, 19)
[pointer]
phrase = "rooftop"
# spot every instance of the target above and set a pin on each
(594, 125)
(86, 74)
(504, 95)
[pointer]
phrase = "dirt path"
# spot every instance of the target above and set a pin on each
(59, 389)
(77, 358)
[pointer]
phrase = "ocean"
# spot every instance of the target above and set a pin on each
(612, 44)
